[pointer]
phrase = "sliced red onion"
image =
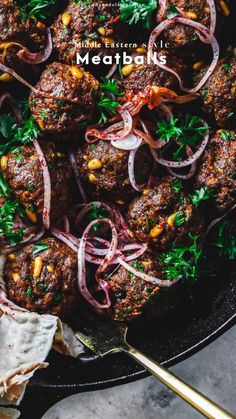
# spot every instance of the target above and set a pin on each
(130, 142)
(37, 57)
(66, 224)
(102, 135)
(213, 15)
(163, 8)
(162, 283)
(47, 185)
(190, 160)
(187, 176)
(205, 35)
(86, 208)
(66, 238)
(77, 176)
(112, 70)
(131, 171)
(82, 265)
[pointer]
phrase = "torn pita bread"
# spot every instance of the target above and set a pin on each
(26, 339)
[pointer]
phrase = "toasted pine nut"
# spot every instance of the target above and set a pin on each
(94, 164)
(102, 31)
(171, 220)
(120, 202)
(127, 69)
(5, 77)
(50, 268)
(38, 264)
(141, 50)
(156, 231)
(31, 215)
(15, 276)
(76, 72)
(92, 178)
(66, 18)
(191, 15)
(146, 191)
(198, 65)
(224, 8)
(4, 161)
(11, 256)
(108, 41)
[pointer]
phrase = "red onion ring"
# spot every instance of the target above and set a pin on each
(37, 57)
(112, 70)
(205, 36)
(47, 185)
(82, 266)
(162, 283)
(103, 135)
(163, 8)
(131, 171)
(77, 176)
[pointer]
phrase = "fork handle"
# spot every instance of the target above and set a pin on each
(188, 393)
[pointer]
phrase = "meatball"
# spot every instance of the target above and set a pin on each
(151, 74)
(76, 106)
(105, 168)
(219, 94)
(94, 24)
(43, 281)
(179, 35)
(217, 169)
(132, 296)
(16, 34)
(24, 176)
(164, 215)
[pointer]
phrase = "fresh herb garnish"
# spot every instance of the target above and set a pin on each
(227, 67)
(28, 292)
(200, 195)
(180, 218)
(135, 11)
(8, 212)
(40, 247)
(96, 213)
(110, 85)
(186, 132)
(172, 12)
(137, 265)
(39, 9)
(107, 101)
(16, 135)
(107, 108)
(228, 135)
(177, 185)
(226, 240)
(4, 188)
(182, 261)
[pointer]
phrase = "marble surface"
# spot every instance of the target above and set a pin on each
(212, 370)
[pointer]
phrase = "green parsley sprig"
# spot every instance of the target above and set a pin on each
(186, 131)
(182, 261)
(8, 212)
(106, 101)
(137, 11)
(226, 240)
(37, 9)
(96, 213)
(200, 195)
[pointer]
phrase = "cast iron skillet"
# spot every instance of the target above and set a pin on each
(206, 312)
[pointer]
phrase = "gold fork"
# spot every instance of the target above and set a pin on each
(105, 337)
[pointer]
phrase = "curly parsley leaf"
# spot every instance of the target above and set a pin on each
(137, 264)
(110, 85)
(180, 218)
(182, 261)
(8, 212)
(135, 11)
(226, 240)
(186, 131)
(40, 247)
(200, 195)
(107, 108)
(96, 213)
(39, 9)
(172, 12)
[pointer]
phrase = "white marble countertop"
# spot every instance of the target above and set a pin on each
(212, 370)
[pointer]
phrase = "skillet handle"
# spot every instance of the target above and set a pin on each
(197, 400)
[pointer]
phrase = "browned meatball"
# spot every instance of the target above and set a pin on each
(150, 74)
(219, 94)
(75, 108)
(163, 215)
(44, 282)
(217, 169)
(105, 168)
(93, 23)
(179, 35)
(16, 33)
(24, 176)
(132, 296)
